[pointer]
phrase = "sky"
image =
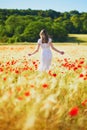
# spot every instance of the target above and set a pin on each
(57, 5)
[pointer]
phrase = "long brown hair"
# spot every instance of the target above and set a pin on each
(44, 36)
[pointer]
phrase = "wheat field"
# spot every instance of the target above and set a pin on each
(33, 100)
(82, 38)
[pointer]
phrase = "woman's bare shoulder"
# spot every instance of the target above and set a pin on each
(39, 41)
(50, 40)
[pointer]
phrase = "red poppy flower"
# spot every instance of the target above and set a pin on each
(33, 62)
(30, 68)
(74, 111)
(13, 62)
(45, 85)
(79, 66)
(81, 62)
(1, 69)
(16, 71)
(75, 68)
(85, 78)
(8, 63)
(20, 98)
(81, 75)
(27, 94)
(76, 61)
(84, 102)
(25, 68)
(4, 78)
(54, 75)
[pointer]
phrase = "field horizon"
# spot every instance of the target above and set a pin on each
(72, 39)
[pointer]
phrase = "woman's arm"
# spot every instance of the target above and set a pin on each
(35, 51)
(61, 52)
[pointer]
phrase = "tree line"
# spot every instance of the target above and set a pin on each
(25, 25)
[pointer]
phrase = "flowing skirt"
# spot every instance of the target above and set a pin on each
(45, 60)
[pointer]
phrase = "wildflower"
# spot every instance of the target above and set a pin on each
(76, 61)
(32, 85)
(25, 68)
(16, 71)
(79, 66)
(30, 68)
(54, 75)
(19, 89)
(75, 68)
(8, 63)
(4, 78)
(81, 62)
(84, 102)
(36, 65)
(27, 94)
(45, 85)
(1, 69)
(74, 111)
(85, 78)
(20, 98)
(33, 62)
(81, 75)
(13, 62)
(50, 73)
(65, 59)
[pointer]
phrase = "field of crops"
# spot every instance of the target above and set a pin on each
(81, 38)
(33, 100)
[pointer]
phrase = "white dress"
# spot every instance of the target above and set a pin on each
(46, 55)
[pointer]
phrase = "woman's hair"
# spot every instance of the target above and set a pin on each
(44, 36)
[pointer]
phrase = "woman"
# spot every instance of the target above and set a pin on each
(46, 55)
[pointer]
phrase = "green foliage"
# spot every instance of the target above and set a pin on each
(59, 32)
(32, 30)
(25, 25)
(85, 26)
(68, 25)
(11, 40)
(2, 30)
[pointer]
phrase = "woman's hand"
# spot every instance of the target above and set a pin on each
(29, 54)
(62, 52)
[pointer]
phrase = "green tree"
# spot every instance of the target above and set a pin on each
(74, 12)
(68, 25)
(85, 26)
(31, 32)
(76, 23)
(59, 32)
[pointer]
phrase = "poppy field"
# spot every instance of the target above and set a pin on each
(34, 100)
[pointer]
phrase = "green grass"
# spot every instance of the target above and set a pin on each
(77, 38)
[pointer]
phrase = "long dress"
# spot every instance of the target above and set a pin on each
(46, 55)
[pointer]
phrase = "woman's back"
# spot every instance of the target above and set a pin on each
(46, 55)
(44, 45)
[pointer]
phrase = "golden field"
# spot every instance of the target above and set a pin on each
(33, 100)
(82, 38)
